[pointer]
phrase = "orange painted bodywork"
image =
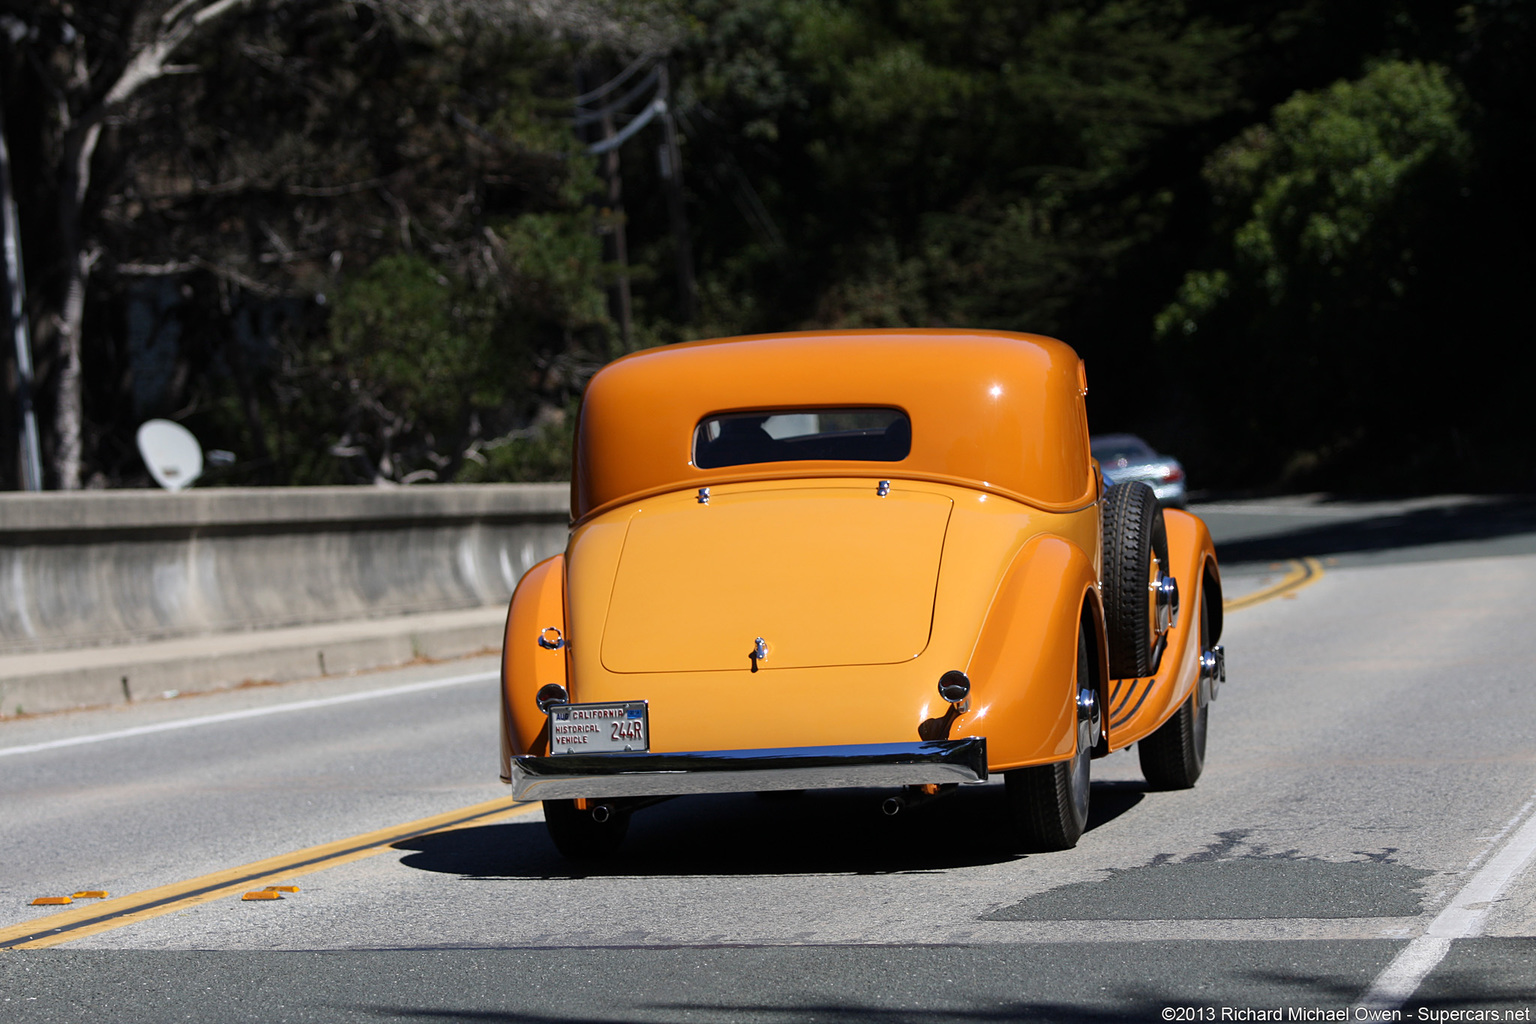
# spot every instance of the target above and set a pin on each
(984, 556)
(806, 564)
(1000, 412)
(1023, 670)
(538, 602)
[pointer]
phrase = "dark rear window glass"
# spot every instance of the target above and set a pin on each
(788, 435)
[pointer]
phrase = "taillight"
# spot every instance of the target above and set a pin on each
(1170, 475)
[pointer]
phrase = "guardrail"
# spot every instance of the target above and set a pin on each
(113, 567)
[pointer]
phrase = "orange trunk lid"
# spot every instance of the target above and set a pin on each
(825, 575)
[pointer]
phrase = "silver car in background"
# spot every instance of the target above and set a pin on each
(1127, 457)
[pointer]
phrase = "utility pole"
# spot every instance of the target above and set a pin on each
(613, 229)
(671, 161)
(618, 240)
(31, 460)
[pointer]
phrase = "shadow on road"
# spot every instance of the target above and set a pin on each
(1071, 983)
(1481, 520)
(1302, 993)
(831, 1013)
(829, 832)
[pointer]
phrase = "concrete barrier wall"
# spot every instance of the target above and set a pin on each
(112, 567)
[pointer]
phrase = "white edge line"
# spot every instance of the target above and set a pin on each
(234, 716)
(1463, 918)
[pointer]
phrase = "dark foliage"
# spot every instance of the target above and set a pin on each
(1287, 235)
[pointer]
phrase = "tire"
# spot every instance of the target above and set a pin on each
(1134, 536)
(1174, 756)
(577, 836)
(1049, 802)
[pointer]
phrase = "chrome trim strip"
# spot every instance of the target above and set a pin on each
(569, 776)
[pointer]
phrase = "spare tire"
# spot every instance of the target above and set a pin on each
(1135, 551)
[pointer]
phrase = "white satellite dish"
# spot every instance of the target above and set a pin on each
(173, 456)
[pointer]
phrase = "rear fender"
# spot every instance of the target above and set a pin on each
(1023, 665)
(1211, 581)
(526, 666)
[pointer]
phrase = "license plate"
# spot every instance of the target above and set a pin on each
(599, 728)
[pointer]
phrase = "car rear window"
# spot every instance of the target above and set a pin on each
(789, 435)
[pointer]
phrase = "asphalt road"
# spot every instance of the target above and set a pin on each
(1370, 777)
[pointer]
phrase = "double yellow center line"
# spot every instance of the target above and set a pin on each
(1299, 573)
(81, 921)
(108, 914)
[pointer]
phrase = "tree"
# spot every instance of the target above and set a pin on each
(112, 67)
(1336, 215)
(316, 213)
(929, 163)
(87, 87)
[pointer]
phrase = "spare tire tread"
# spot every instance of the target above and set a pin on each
(1133, 532)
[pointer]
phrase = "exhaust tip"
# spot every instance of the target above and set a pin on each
(602, 812)
(892, 806)
(549, 695)
(955, 687)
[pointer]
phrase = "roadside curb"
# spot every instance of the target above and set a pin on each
(96, 676)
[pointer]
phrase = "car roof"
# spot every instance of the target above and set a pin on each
(995, 410)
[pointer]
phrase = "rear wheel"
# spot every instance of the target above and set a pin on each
(1049, 802)
(1135, 552)
(579, 836)
(1174, 756)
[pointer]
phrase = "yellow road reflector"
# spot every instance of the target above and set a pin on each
(91, 894)
(48, 901)
(281, 888)
(262, 894)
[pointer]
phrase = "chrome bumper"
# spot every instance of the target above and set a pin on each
(743, 771)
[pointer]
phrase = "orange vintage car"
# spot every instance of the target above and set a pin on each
(853, 559)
